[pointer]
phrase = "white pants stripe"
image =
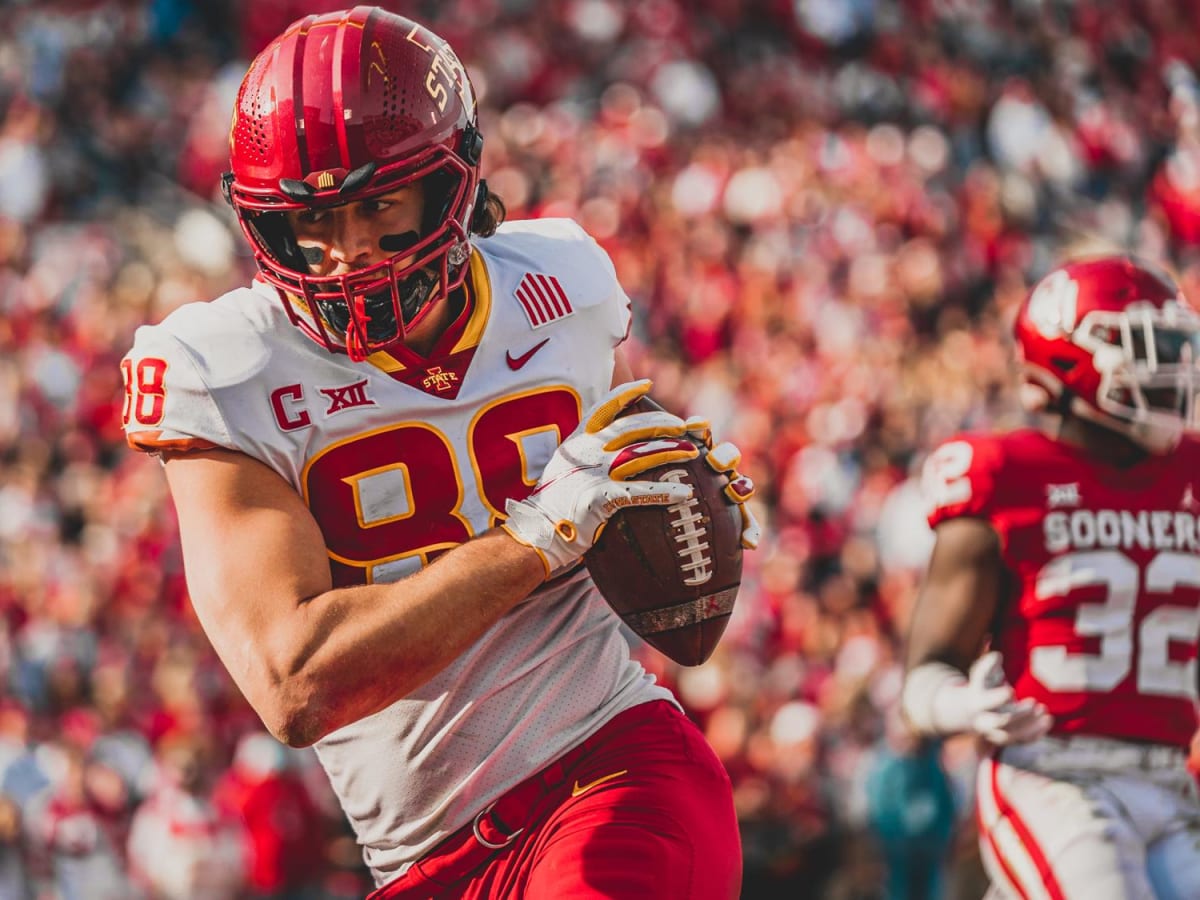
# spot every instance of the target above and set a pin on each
(1060, 819)
(1012, 855)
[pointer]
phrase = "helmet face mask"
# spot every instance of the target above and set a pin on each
(1151, 381)
(371, 308)
(1113, 341)
(340, 109)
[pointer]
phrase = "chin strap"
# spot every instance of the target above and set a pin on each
(355, 343)
(415, 295)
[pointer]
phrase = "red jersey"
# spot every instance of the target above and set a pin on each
(1102, 620)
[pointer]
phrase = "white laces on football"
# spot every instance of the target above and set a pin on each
(583, 484)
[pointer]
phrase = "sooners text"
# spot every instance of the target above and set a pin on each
(1083, 529)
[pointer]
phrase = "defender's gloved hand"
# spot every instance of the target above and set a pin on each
(725, 457)
(583, 484)
(938, 700)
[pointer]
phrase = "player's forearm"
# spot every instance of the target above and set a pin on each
(354, 651)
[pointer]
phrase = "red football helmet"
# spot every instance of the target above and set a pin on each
(1112, 340)
(344, 107)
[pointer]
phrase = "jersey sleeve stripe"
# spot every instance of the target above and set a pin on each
(153, 442)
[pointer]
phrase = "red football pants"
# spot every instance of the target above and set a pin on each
(643, 808)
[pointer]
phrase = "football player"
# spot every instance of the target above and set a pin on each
(1060, 614)
(388, 455)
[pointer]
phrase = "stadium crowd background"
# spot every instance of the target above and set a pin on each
(824, 211)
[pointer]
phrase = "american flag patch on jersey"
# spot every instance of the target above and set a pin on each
(543, 299)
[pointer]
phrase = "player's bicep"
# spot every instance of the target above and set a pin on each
(959, 595)
(252, 554)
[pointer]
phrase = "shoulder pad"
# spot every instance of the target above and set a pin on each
(174, 368)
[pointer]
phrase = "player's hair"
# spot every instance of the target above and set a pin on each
(489, 213)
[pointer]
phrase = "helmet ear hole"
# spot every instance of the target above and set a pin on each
(1063, 364)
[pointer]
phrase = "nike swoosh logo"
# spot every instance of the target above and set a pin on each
(559, 477)
(515, 362)
(583, 789)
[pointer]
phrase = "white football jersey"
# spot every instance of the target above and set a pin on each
(401, 458)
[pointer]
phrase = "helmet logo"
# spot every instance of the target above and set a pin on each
(445, 69)
(378, 65)
(325, 181)
(1052, 305)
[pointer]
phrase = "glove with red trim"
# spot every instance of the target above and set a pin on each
(583, 484)
(725, 457)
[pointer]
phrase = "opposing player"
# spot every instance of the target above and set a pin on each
(354, 445)
(1077, 555)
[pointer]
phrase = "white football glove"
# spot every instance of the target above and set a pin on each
(583, 484)
(938, 700)
(725, 458)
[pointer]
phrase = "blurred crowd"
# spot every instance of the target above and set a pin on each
(824, 211)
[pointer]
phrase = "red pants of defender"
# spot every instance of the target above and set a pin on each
(642, 808)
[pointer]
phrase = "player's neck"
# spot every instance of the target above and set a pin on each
(1102, 444)
(423, 339)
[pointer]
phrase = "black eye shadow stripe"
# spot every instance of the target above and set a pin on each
(395, 243)
(389, 243)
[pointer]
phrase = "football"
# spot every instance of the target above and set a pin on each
(672, 572)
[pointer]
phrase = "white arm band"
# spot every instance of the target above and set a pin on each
(936, 699)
